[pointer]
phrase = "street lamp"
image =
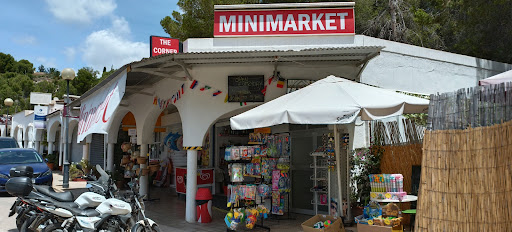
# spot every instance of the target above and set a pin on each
(7, 102)
(68, 74)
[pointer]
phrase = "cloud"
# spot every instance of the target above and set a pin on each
(80, 11)
(25, 40)
(111, 46)
(70, 53)
(46, 62)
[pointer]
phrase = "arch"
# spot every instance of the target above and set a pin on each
(116, 124)
(71, 127)
(52, 130)
(18, 135)
(29, 135)
(151, 121)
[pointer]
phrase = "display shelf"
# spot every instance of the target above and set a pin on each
(320, 167)
(321, 154)
(316, 203)
(317, 178)
(407, 198)
(321, 177)
(255, 143)
(317, 191)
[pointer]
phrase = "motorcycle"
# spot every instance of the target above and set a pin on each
(32, 218)
(42, 211)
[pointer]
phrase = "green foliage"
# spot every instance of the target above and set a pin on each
(52, 158)
(74, 172)
(84, 80)
(364, 162)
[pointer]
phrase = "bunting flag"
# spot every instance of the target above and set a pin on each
(226, 98)
(243, 103)
(270, 79)
(205, 87)
(182, 89)
(155, 101)
(194, 84)
(280, 83)
(217, 93)
(264, 90)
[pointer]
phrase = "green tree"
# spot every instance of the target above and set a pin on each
(41, 68)
(25, 67)
(85, 79)
(106, 74)
(7, 63)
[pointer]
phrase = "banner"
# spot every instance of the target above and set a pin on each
(96, 111)
(40, 113)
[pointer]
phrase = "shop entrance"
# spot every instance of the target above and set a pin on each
(303, 142)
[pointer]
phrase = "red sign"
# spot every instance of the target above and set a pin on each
(204, 177)
(284, 22)
(163, 45)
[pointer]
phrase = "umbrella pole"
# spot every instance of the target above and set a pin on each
(338, 168)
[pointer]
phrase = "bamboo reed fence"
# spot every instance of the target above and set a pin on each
(402, 131)
(466, 180)
(473, 107)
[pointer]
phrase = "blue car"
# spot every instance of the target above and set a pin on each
(12, 157)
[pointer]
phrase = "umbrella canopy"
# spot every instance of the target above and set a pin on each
(331, 100)
(496, 79)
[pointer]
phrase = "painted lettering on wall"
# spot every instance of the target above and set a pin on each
(284, 22)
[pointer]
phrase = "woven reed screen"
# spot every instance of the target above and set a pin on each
(400, 159)
(466, 180)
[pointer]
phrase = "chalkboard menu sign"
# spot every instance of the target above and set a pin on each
(246, 88)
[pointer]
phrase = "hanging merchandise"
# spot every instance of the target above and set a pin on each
(227, 154)
(236, 172)
(264, 190)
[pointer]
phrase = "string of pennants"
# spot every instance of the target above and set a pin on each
(164, 103)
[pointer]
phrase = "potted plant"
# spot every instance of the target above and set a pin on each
(364, 162)
(52, 160)
(85, 165)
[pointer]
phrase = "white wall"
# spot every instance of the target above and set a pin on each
(399, 66)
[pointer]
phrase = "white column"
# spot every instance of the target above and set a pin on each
(110, 157)
(144, 180)
(85, 151)
(37, 145)
(190, 211)
(61, 157)
(50, 147)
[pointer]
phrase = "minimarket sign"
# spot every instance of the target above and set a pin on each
(304, 20)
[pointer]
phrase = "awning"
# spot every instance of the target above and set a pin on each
(97, 109)
(497, 79)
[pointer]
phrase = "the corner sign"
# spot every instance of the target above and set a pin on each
(163, 45)
(273, 22)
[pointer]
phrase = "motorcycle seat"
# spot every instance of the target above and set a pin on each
(48, 190)
(89, 212)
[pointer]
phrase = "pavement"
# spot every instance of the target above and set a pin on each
(164, 207)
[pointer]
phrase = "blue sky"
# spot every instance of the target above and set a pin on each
(81, 33)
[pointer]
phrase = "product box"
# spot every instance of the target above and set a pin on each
(336, 226)
(368, 228)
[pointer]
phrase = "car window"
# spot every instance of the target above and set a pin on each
(19, 157)
(8, 144)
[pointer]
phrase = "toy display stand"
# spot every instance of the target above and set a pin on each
(406, 198)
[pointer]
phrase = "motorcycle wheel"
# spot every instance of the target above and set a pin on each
(53, 228)
(140, 228)
(26, 224)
